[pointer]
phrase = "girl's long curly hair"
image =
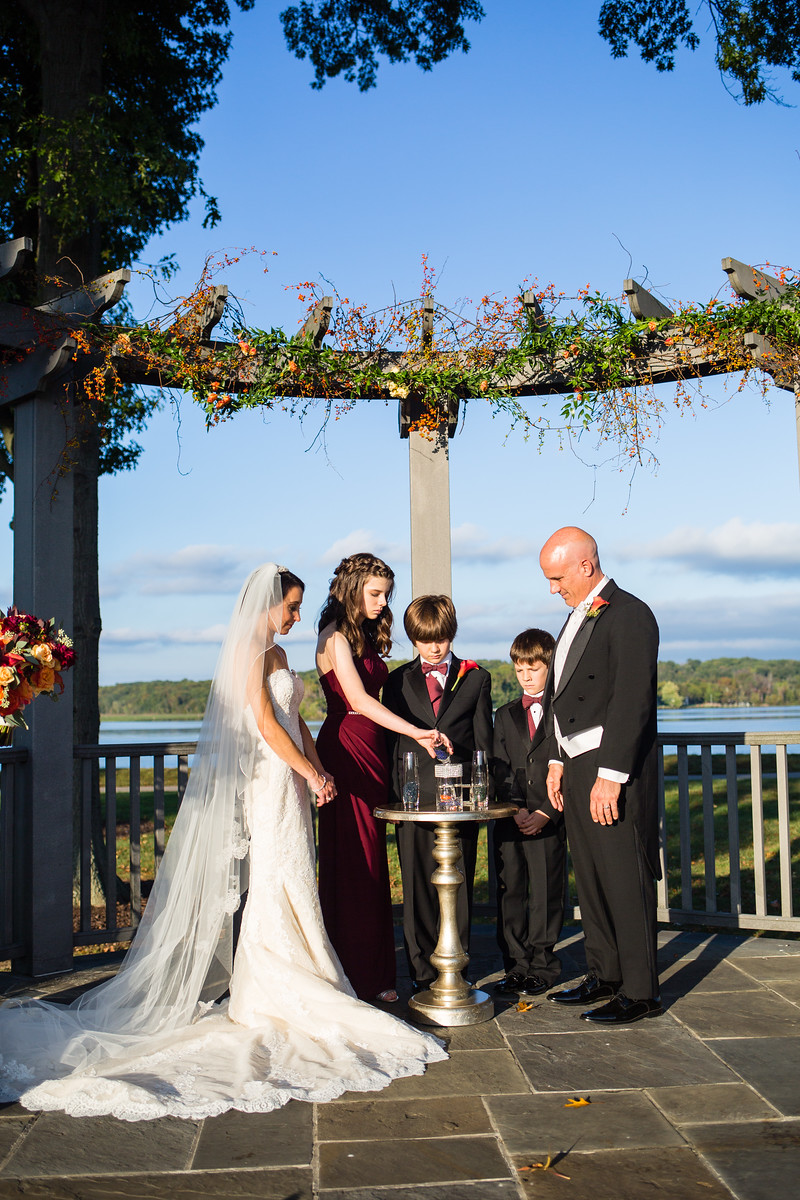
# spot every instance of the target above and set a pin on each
(345, 604)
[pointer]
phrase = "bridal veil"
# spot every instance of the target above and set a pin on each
(181, 957)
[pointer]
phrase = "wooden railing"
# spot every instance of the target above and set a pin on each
(729, 803)
(727, 823)
(165, 782)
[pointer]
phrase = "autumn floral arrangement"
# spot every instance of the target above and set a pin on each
(33, 654)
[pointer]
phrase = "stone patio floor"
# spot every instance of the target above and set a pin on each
(702, 1102)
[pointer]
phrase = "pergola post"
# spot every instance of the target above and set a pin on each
(43, 586)
(752, 284)
(429, 487)
(37, 398)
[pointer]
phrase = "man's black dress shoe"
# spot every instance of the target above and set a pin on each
(621, 1011)
(517, 984)
(589, 991)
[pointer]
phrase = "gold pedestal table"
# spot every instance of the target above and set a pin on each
(450, 1000)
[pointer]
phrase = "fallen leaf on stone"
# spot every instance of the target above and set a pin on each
(545, 1166)
(577, 1102)
(523, 1007)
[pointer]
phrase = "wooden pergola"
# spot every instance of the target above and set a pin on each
(39, 370)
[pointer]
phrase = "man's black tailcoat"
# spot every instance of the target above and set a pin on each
(609, 679)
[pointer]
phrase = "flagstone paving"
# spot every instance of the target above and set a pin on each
(702, 1102)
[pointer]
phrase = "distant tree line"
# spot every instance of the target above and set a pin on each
(756, 681)
(753, 681)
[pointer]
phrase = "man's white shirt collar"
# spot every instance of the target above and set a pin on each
(585, 604)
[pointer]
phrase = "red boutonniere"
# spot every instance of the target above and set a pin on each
(467, 664)
(596, 607)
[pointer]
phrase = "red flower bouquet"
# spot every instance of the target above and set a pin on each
(33, 653)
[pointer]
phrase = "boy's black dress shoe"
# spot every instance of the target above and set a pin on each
(517, 984)
(509, 985)
(589, 991)
(621, 1011)
(532, 985)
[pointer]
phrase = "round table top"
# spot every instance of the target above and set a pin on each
(432, 815)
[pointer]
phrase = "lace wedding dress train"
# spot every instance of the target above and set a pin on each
(292, 1027)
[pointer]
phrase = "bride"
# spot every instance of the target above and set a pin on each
(161, 1038)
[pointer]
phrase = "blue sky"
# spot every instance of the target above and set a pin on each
(534, 155)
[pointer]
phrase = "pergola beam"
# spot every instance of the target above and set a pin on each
(750, 283)
(318, 322)
(14, 256)
(681, 360)
(208, 315)
(90, 300)
(643, 305)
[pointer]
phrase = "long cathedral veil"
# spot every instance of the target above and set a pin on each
(181, 957)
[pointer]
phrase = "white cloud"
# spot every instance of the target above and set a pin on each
(212, 635)
(140, 639)
(193, 570)
(473, 544)
(753, 548)
(368, 542)
(732, 625)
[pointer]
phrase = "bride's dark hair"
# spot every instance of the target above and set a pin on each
(289, 580)
(345, 604)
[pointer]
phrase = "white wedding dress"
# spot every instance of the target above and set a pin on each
(292, 1027)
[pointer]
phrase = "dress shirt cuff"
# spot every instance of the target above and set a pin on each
(555, 762)
(613, 776)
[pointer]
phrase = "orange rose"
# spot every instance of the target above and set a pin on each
(43, 679)
(7, 675)
(43, 654)
(18, 697)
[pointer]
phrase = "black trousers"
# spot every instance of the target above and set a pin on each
(420, 901)
(530, 897)
(616, 888)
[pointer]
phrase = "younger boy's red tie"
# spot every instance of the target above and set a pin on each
(527, 703)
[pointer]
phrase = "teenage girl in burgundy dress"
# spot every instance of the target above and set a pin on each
(355, 629)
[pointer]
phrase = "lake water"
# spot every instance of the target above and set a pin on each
(670, 720)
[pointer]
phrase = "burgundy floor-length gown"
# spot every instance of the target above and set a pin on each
(353, 870)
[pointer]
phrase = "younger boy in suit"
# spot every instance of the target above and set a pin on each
(530, 847)
(439, 690)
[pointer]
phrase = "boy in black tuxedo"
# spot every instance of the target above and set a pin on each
(529, 848)
(454, 695)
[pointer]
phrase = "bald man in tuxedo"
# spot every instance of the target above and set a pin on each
(600, 705)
